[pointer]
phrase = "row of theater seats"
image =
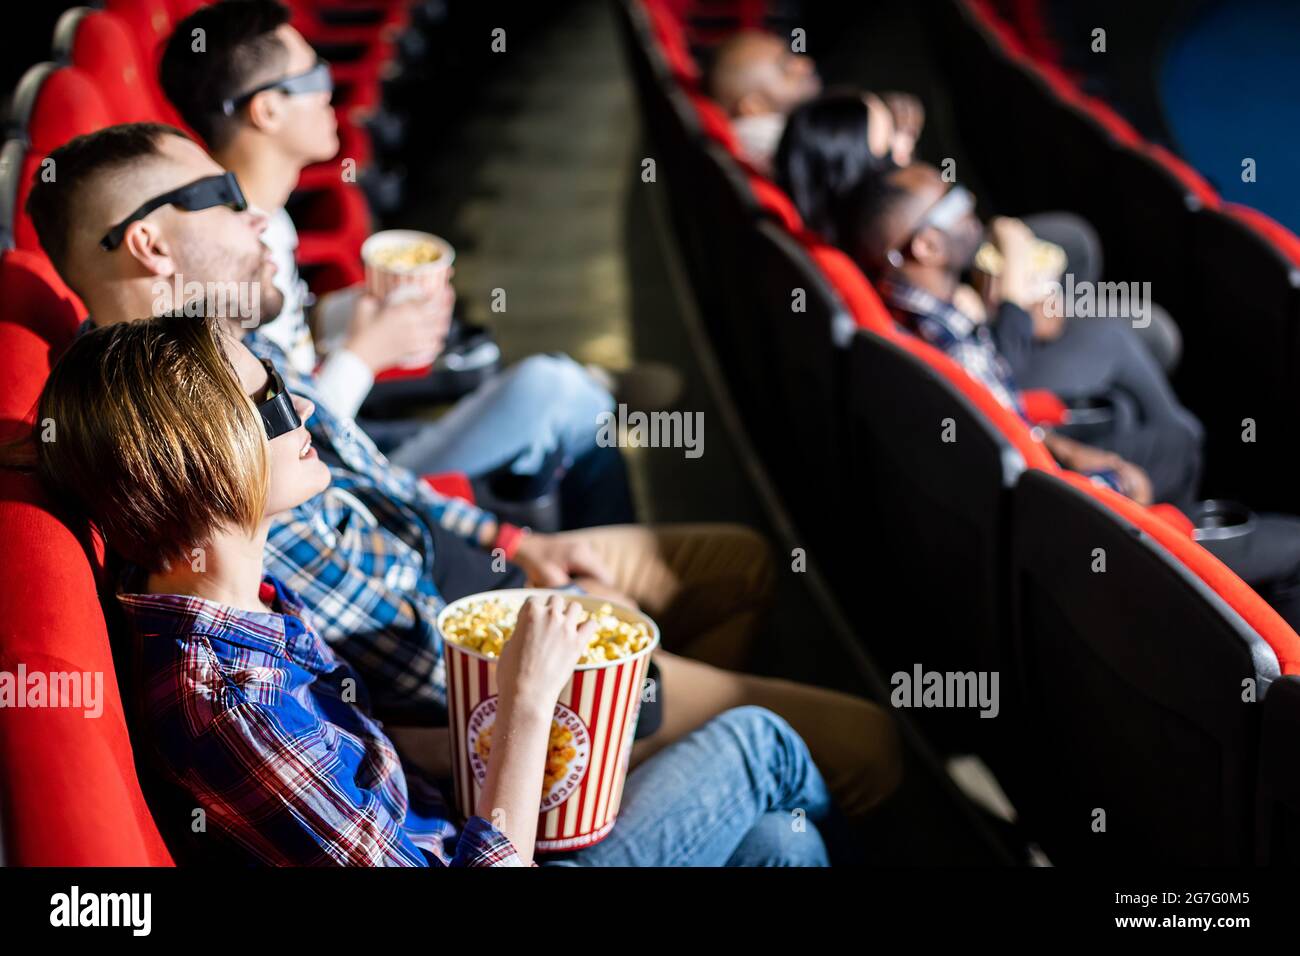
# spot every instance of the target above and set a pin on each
(1121, 689)
(1229, 274)
(69, 794)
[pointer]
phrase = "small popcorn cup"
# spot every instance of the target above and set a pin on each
(391, 280)
(595, 719)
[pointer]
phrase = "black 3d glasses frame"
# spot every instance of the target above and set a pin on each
(222, 190)
(279, 417)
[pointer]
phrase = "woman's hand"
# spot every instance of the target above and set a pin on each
(535, 664)
(540, 656)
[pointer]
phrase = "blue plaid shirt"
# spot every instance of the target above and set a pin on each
(254, 717)
(361, 555)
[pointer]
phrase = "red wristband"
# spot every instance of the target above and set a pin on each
(508, 539)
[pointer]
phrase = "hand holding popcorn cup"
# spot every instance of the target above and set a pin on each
(1016, 265)
(594, 719)
(404, 264)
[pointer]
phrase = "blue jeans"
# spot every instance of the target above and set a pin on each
(516, 419)
(740, 791)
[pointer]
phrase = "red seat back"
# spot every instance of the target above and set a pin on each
(32, 292)
(150, 24)
(104, 47)
(776, 203)
(66, 105)
(68, 787)
(1286, 241)
(673, 44)
(70, 795)
(714, 123)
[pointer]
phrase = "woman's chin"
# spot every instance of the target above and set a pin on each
(320, 475)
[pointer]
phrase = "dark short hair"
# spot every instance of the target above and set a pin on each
(54, 201)
(239, 42)
(861, 218)
(823, 155)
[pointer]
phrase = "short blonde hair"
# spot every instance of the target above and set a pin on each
(145, 428)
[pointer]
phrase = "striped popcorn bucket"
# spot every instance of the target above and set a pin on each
(591, 732)
(390, 282)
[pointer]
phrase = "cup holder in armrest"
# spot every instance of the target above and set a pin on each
(1218, 519)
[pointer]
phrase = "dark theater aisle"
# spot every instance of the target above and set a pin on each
(580, 244)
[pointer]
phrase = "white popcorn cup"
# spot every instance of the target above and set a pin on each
(390, 283)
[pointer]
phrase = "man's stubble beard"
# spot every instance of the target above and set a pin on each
(211, 268)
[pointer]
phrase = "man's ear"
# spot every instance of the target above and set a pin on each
(927, 247)
(144, 242)
(264, 111)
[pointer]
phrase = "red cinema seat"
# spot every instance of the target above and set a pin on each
(714, 123)
(53, 105)
(180, 9)
(863, 301)
(32, 292)
(326, 264)
(671, 39)
(373, 25)
(338, 215)
(1194, 184)
(150, 23)
(452, 484)
(1284, 240)
(101, 44)
(68, 787)
(776, 204)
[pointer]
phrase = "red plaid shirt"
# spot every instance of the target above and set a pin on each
(267, 730)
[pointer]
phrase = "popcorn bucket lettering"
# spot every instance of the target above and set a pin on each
(591, 731)
(406, 262)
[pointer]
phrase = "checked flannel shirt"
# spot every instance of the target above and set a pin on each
(266, 729)
(361, 555)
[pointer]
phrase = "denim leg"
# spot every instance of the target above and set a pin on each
(781, 839)
(596, 491)
(696, 802)
(517, 418)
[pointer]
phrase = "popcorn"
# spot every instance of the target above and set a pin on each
(1048, 259)
(406, 255)
(486, 625)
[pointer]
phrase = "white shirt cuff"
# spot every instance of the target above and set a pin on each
(344, 380)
